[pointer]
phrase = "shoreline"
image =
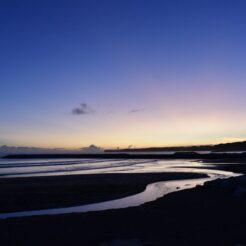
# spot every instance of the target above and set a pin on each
(176, 155)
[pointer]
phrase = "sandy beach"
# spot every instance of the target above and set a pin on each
(213, 214)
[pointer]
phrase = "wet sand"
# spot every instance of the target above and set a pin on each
(237, 165)
(213, 214)
(18, 194)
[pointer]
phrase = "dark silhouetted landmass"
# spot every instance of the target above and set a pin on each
(237, 146)
(17, 150)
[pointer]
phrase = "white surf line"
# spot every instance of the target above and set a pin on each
(152, 192)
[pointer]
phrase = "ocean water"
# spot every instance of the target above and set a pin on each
(47, 167)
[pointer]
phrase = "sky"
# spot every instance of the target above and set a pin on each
(120, 73)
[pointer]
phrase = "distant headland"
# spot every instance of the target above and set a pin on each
(226, 147)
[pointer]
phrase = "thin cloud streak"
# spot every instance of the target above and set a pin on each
(137, 110)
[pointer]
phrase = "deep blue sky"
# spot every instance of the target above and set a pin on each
(150, 72)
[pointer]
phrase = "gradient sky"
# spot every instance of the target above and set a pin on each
(122, 72)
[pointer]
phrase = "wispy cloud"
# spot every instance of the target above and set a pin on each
(136, 110)
(82, 109)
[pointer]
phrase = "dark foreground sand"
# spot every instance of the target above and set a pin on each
(18, 194)
(210, 215)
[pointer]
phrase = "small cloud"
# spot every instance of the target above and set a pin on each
(82, 109)
(136, 110)
(92, 149)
